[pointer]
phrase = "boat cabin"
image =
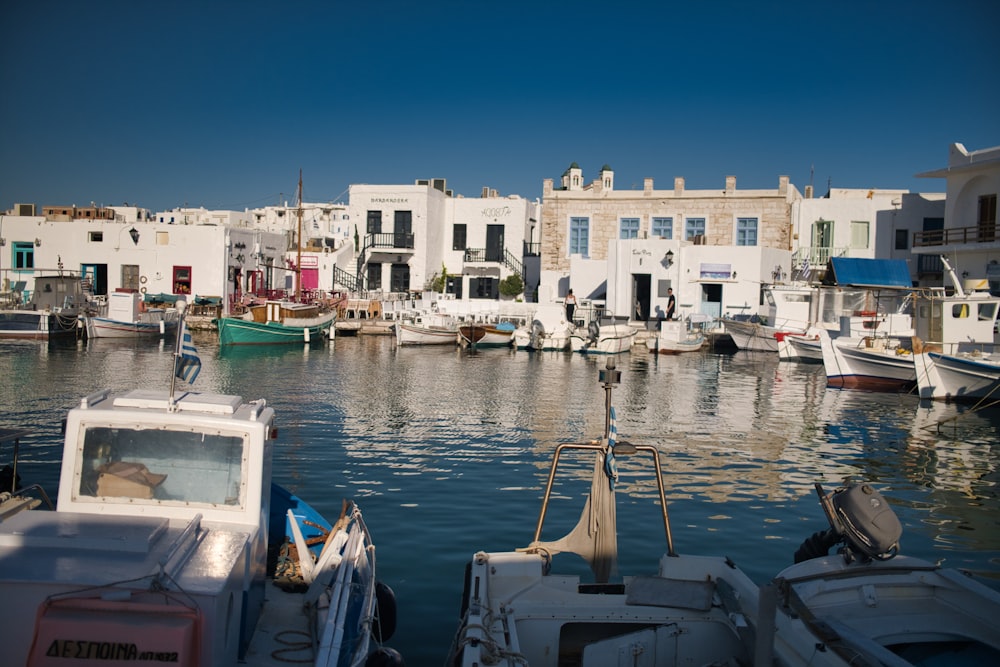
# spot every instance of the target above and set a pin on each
(172, 497)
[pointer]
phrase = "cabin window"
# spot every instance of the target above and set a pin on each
(629, 228)
(663, 228)
(987, 312)
(24, 255)
(746, 231)
(162, 466)
(182, 280)
(579, 236)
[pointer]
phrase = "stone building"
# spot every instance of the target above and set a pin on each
(581, 221)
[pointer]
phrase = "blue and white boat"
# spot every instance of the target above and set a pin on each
(52, 311)
(170, 543)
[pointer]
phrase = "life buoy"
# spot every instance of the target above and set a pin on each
(384, 625)
(142, 279)
(142, 290)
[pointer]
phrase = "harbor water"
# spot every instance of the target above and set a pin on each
(447, 451)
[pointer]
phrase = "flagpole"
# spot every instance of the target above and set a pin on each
(181, 312)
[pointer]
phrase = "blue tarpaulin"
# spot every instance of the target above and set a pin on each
(870, 273)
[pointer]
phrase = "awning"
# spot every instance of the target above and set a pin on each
(869, 273)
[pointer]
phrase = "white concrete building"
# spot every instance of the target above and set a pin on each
(410, 235)
(863, 223)
(968, 235)
(206, 260)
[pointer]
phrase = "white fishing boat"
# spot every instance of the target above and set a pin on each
(606, 336)
(170, 543)
(427, 329)
(548, 330)
(126, 317)
(804, 347)
(876, 363)
(870, 606)
(956, 352)
(675, 337)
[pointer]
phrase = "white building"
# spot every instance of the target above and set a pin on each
(968, 234)
(863, 223)
(408, 236)
(217, 261)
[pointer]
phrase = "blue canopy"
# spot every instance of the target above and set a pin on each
(871, 273)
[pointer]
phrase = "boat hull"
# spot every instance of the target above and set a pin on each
(412, 334)
(957, 377)
(800, 347)
(610, 339)
(857, 363)
(237, 331)
(754, 336)
(481, 335)
(101, 327)
(37, 325)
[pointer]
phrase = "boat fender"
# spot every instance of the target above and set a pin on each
(385, 657)
(385, 613)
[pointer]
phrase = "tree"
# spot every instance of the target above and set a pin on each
(512, 285)
(440, 281)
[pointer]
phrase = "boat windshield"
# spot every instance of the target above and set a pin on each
(162, 465)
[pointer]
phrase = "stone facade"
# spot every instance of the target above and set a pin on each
(604, 207)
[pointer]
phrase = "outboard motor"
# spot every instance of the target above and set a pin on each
(861, 519)
(537, 333)
(593, 330)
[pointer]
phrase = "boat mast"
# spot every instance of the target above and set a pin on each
(298, 260)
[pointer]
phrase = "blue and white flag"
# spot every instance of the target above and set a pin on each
(188, 363)
(610, 466)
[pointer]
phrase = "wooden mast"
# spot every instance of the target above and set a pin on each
(298, 260)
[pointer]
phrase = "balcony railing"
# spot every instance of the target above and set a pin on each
(982, 233)
(480, 255)
(390, 240)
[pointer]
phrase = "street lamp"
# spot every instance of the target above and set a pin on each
(134, 233)
(669, 257)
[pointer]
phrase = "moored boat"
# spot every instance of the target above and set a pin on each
(170, 542)
(475, 334)
(52, 312)
(276, 322)
(675, 337)
(607, 337)
(427, 329)
(548, 329)
(870, 606)
(125, 317)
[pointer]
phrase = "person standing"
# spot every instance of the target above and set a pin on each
(570, 306)
(671, 303)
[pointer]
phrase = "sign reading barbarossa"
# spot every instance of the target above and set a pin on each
(90, 650)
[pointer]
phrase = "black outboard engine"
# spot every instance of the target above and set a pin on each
(861, 519)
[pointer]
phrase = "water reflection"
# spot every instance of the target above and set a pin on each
(448, 449)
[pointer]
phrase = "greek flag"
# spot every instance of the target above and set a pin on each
(188, 363)
(610, 466)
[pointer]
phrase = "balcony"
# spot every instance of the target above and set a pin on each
(986, 232)
(391, 242)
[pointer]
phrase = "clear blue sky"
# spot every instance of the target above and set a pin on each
(219, 104)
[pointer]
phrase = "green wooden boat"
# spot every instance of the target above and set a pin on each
(276, 323)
